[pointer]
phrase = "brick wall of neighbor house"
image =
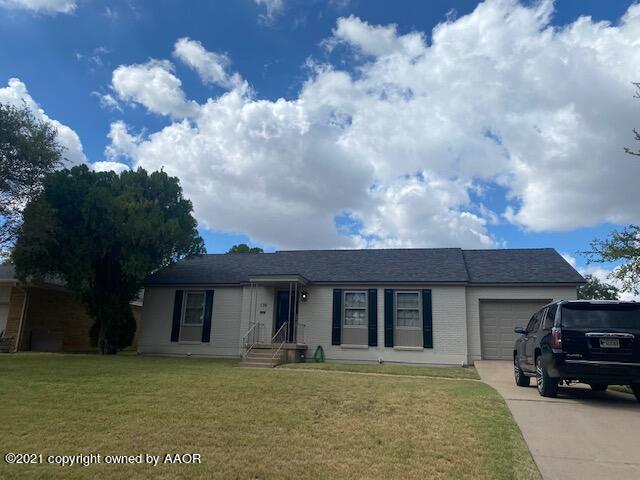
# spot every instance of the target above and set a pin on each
(449, 327)
(475, 294)
(54, 310)
(157, 313)
(15, 311)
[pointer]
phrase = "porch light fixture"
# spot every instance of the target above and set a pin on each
(304, 295)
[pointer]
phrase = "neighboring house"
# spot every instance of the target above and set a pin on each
(438, 306)
(43, 316)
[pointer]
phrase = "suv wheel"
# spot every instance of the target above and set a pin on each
(635, 388)
(521, 379)
(547, 386)
(598, 387)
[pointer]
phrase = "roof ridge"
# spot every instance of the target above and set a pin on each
(368, 249)
(522, 249)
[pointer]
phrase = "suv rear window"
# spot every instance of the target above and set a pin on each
(586, 315)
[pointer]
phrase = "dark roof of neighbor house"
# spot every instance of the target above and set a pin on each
(420, 265)
(7, 272)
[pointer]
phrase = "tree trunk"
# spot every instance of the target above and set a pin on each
(104, 346)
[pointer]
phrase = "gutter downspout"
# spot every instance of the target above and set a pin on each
(22, 315)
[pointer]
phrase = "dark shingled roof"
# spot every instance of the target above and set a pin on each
(430, 265)
(7, 272)
(531, 265)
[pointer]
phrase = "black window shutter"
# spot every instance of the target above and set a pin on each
(388, 318)
(373, 317)
(208, 311)
(427, 320)
(177, 313)
(336, 326)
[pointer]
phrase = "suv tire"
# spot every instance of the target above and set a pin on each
(598, 387)
(521, 379)
(635, 388)
(547, 386)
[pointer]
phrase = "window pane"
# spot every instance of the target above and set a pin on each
(193, 316)
(194, 309)
(355, 299)
(408, 318)
(355, 317)
(195, 300)
(407, 300)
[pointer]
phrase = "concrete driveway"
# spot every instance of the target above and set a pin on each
(581, 434)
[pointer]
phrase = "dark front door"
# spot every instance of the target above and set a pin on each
(282, 313)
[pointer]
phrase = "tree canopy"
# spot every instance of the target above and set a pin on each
(595, 289)
(28, 152)
(244, 248)
(622, 245)
(103, 233)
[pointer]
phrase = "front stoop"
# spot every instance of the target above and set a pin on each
(261, 355)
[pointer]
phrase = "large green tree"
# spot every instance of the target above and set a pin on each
(103, 233)
(597, 290)
(621, 246)
(28, 152)
(244, 248)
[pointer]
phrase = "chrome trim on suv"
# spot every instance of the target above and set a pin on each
(609, 335)
(602, 362)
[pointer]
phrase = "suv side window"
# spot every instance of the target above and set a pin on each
(537, 319)
(531, 324)
(550, 317)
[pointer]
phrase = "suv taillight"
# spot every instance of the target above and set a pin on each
(556, 338)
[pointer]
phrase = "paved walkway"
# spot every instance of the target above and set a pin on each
(579, 435)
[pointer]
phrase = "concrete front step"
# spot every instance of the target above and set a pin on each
(264, 357)
(261, 358)
(257, 364)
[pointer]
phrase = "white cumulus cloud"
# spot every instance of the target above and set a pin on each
(110, 166)
(394, 147)
(16, 94)
(210, 66)
(153, 85)
(41, 6)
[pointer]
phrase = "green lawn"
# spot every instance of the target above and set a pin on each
(251, 423)
(390, 369)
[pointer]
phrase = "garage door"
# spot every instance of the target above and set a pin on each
(497, 321)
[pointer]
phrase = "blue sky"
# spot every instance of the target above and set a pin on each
(293, 50)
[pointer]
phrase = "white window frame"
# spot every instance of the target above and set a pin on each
(395, 310)
(345, 308)
(184, 308)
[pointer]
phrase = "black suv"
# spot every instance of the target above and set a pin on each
(592, 341)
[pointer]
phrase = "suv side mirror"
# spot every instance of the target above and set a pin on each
(520, 330)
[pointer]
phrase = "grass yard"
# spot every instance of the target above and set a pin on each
(390, 369)
(251, 423)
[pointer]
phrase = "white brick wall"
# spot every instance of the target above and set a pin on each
(157, 316)
(456, 321)
(265, 300)
(475, 294)
(449, 327)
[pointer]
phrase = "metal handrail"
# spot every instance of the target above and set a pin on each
(274, 339)
(254, 338)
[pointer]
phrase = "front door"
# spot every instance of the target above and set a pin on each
(282, 313)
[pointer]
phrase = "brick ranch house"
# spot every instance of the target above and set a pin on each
(431, 306)
(43, 317)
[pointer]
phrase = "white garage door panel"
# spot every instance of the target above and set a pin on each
(497, 321)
